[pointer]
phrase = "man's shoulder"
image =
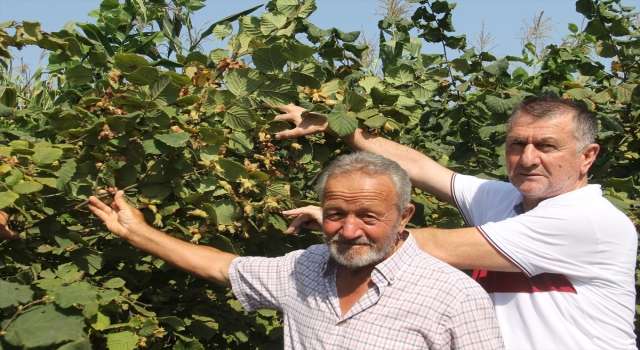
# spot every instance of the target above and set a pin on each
(428, 270)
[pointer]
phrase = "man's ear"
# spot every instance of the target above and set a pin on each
(407, 213)
(589, 155)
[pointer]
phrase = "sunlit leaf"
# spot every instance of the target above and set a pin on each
(27, 187)
(122, 341)
(340, 122)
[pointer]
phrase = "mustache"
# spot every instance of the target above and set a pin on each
(359, 240)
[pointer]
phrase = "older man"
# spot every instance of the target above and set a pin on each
(557, 259)
(368, 287)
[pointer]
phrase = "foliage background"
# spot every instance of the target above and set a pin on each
(131, 101)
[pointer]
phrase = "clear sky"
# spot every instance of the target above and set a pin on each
(503, 18)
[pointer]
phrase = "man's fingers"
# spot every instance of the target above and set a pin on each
(295, 226)
(288, 134)
(96, 203)
(119, 200)
(288, 117)
(4, 218)
(100, 213)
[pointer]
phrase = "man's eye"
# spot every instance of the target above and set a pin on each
(369, 218)
(333, 216)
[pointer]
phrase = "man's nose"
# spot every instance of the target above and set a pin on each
(530, 156)
(351, 228)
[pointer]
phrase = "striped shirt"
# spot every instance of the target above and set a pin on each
(417, 302)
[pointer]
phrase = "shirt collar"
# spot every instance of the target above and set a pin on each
(393, 267)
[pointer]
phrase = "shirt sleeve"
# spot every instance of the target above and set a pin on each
(481, 201)
(548, 239)
(263, 283)
(473, 324)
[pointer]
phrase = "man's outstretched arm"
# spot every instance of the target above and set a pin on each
(128, 223)
(425, 173)
(464, 248)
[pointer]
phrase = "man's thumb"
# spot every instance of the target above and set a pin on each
(119, 200)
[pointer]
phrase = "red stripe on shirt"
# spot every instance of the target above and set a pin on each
(518, 282)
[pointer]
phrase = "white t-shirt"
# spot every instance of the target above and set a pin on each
(577, 253)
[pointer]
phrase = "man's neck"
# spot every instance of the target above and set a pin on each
(353, 283)
(530, 204)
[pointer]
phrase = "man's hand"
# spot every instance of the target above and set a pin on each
(5, 233)
(312, 123)
(120, 218)
(308, 217)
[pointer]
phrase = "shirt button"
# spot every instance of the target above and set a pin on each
(342, 323)
(391, 278)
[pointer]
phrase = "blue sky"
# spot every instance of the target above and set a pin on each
(503, 18)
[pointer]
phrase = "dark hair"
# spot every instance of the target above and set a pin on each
(585, 124)
(369, 164)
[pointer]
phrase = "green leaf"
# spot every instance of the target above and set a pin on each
(192, 344)
(580, 94)
(156, 191)
(401, 74)
(272, 21)
(5, 111)
(211, 136)
(195, 56)
(114, 283)
(76, 293)
(242, 81)
(595, 28)
(298, 52)
(7, 198)
(498, 105)
(269, 59)
(311, 75)
(163, 91)
(369, 83)
(122, 341)
(65, 173)
(226, 211)
(376, 121)
(87, 260)
(232, 170)
(143, 76)
(44, 326)
(277, 92)
(174, 139)
(44, 156)
(79, 75)
(173, 321)
(498, 68)
(14, 294)
(129, 62)
(80, 344)
(340, 122)
(240, 118)
(573, 28)
(27, 187)
(222, 30)
(354, 101)
(47, 181)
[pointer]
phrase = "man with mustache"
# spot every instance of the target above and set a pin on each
(557, 259)
(368, 287)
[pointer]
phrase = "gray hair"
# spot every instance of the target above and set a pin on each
(585, 123)
(369, 164)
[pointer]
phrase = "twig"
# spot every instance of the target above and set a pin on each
(20, 309)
